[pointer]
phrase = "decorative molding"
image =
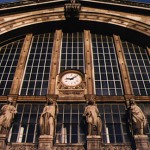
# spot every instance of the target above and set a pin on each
(116, 147)
(125, 20)
(42, 99)
(27, 146)
(21, 146)
(65, 147)
(88, 14)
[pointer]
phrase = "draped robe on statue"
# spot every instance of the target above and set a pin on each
(7, 116)
(93, 119)
(47, 120)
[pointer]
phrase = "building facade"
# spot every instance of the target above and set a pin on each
(43, 44)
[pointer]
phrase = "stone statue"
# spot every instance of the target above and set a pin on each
(93, 120)
(48, 118)
(138, 118)
(8, 112)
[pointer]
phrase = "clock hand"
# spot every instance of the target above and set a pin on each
(74, 76)
(71, 78)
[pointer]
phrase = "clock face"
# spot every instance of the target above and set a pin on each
(71, 79)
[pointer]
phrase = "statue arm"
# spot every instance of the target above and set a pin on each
(144, 118)
(97, 111)
(3, 109)
(44, 111)
(134, 118)
(56, 109)
(85, 112)
(14, 110)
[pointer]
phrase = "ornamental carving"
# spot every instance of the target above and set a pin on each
(65, 147)
(116, 147)
(69, 148)
(22, 147)
(72, 9)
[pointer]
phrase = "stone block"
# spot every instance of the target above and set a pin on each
(2, 141)
(94, 142)
(142, 142)
(45, 142)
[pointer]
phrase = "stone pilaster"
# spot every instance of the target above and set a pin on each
(88, 61)
(2, 141)
(45, 142)
(142, 142)
(94, 142)
(18, 77)
(123, 66)
(55, 62)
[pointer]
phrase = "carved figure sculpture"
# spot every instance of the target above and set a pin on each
(48, 118)
(93, 120)
(138, 118)
(8, 112)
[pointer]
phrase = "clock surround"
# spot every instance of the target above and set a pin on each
(71, 83)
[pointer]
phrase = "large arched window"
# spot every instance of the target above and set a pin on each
(36, 74)
(138, 63)
(106, 68)
(9, 55)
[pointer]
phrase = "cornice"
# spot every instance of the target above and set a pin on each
(24, 3)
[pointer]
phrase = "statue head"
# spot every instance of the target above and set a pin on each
(90, 102)
(132, 101)
(10, 100)
(50, 101)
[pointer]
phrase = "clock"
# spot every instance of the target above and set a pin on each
(71, 83)
(71, 78)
